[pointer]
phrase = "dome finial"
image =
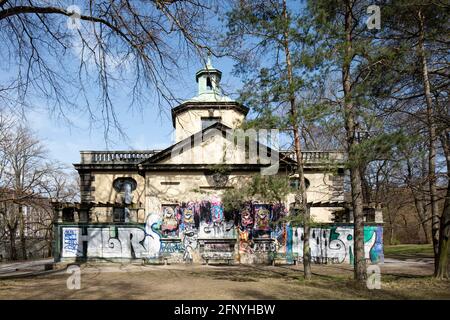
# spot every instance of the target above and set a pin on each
(208, 62)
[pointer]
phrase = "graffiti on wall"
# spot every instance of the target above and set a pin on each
(223, 251)
(179, 230)
(170, 221)
(113, 241)
(333, 244)
(71, 246)
(168, 247)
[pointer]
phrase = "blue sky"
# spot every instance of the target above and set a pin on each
(146, 129)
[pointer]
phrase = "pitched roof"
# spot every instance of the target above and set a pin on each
(188, 142)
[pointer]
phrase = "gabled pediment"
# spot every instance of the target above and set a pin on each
(217, 144)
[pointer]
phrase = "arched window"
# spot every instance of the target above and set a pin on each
(125, 186)
(209, 83)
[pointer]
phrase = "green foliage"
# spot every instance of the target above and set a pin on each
(256, 40)
(382, 146)
(267, 189)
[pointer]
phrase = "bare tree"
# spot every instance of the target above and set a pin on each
(23, 159)
(60, 52)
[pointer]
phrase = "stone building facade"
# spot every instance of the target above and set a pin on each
(165, 205)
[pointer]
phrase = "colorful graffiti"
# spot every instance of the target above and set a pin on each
(193, 231)
(170, 221)
(171, 247)
(333, 244)
(262, 215)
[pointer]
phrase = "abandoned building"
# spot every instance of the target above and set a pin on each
(165, 205)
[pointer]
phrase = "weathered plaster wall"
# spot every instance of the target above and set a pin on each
(189, 122)
(211, 149)
(104, 191)
(168, 187)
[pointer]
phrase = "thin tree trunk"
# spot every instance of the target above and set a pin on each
(391, 225)
(432, 141)
(419, 202)
(360, 272)
(441, 270)
(12, 241)
(301, 193)
(49, 237)
(23, 242)
(421, 212)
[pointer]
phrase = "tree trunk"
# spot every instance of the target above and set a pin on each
(300, 199)
(23, 242)
(12, 241)
(391, 225)
(421, 212)
(441, 270)
(418, 196)
(432, 141)
(360, 272)
(391, 236)
(49, 236)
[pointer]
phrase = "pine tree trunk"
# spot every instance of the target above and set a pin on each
(432, 142)
(360, 272)
(301, 193)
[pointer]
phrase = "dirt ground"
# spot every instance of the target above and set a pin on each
(401, 279)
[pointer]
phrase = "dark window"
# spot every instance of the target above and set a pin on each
(209, 121)
(369, 214)
(208, 83)
(341, 217)
(68, 215)
(119, 214)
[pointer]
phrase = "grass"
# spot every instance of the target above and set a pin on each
(409, 251)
